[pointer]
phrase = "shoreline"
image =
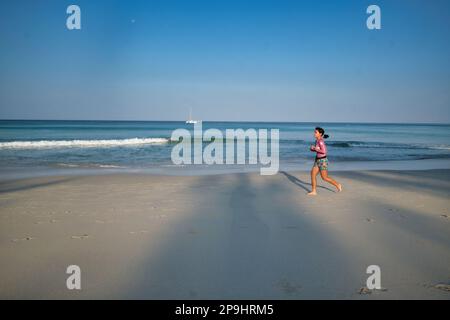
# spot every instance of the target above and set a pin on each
(12, 173)
(235, 236)
(232, 121)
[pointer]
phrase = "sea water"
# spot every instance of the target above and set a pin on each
(34, 147)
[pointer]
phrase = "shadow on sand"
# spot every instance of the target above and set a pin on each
(246, 245)
(27, 184)
(302, 184)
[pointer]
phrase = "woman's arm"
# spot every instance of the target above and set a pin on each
(322, 148)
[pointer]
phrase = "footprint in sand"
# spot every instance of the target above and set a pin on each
(50, 221)
(192, 294)
(442, 286)
(23, 239)
(160, 216)
(397, 212)
(365, 290)
(288, 288)
(105, 221)
(136, 232)
(84, 236)
(328, 222)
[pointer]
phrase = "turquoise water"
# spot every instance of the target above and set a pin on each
(135, 145)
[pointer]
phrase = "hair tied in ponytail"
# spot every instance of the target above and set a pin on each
(322, 132)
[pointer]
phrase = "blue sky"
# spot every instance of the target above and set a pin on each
(227, 60)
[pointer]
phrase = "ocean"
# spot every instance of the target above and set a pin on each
(37, 147)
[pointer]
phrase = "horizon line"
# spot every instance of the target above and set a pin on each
(242, 121)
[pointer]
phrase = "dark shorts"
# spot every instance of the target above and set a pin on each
(322, 164)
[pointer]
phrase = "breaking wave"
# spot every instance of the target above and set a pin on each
(81, 143)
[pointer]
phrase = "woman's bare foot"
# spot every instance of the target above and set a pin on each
(339, 187)
(312, 193)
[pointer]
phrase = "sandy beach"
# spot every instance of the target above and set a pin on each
(235, 236)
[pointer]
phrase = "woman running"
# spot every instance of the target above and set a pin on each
(321, 162)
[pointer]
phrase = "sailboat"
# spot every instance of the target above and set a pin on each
(190, 121)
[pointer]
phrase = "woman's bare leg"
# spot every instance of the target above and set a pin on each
(314, 173)
(325, 177)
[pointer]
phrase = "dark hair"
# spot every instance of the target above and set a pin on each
(322, 132)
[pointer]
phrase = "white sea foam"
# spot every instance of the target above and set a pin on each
(440, 147)
(80, 143)
(89, 165)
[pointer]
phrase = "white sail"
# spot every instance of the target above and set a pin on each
(190, 120)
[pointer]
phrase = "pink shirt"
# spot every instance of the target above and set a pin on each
(320, 148)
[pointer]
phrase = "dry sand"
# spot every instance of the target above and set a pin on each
(237, 236)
